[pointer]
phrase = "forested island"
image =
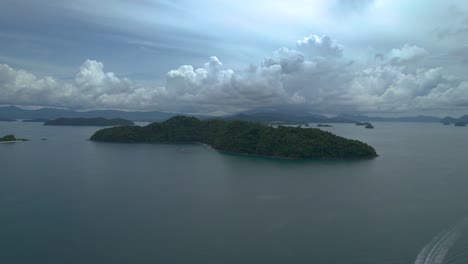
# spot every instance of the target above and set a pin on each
(11, 138)
(99, 121)
(241, 137)
(362, 123)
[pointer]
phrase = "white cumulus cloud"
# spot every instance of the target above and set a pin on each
(313, 76)
(314, 45)
(406, 54)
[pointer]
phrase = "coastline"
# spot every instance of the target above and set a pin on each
(12, 141)
(283, 157)
(236, 152)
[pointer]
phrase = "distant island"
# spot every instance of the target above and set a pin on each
(241, 137)
(99, 121)
(53, 113)
(276, 115)
(323, 125)
(7, 119)
(11, 138)
(365, 124)
(450, 120)
(38, 120)
(284, 118)
(460, 124)
(411, 119)
(361, 124)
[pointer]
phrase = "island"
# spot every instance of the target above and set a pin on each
(369, 126)
(98, 121)
(324, 125)
(362, 124)
(11, 138)
(241, 137)
(2, 119)
(460, 124)
(37, 120)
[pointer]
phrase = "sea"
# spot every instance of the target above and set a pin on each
(66, 200)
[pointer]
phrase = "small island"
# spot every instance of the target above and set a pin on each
(98, 121)
(460, 124)
(369, 126)
(365, 124)
(11, 138)
(241, 137)
(324, 125)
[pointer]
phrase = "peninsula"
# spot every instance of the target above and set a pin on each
(99, 121)
(241, 137)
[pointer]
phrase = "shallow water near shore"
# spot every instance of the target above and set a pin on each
(71, 200)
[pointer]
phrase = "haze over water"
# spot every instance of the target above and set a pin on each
(70, 200)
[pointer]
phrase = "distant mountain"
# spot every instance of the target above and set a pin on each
(97, 121)
(13, 112)
(263, 115)
(463, 119)
(37, 120)
(2, 119)
(363, 118)
(275, 117)
(451, 120)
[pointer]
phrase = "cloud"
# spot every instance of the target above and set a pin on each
(92, 88)
(314, 45)
(347, 8)
(211, 87)
(454, 26)
(391, 89)
(321, 82)
(354, 4)
(21, 87)
(289, 60)
(314, 77)
(406, 54)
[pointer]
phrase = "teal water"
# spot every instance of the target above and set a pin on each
(70, 200)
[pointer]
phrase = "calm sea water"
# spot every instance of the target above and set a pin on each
(70, 200)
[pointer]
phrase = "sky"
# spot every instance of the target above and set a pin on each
(376, 57)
